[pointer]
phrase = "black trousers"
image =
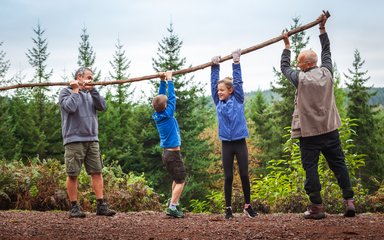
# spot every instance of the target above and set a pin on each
(230, 149)
(329, 145)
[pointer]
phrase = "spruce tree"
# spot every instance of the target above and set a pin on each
(9, 149)
(117, 129)
(260, 113)
(359, 109)
(87, 56)
(37, 58)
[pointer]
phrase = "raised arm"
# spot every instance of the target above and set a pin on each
(69, 100)
(215, 75)
(237, 78)
(171, 103)
(285, 64)
(98, 100)
(326, 60)
(237, 82)
(163, 84)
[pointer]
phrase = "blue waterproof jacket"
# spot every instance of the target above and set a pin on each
(230, 112)
(166, 122)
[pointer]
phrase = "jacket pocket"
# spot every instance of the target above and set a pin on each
(295, 122)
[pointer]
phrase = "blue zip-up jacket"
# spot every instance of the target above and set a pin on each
(166, 122)
(78, 115)
(230, 112)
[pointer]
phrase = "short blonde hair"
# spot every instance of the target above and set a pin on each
(159, 102)
(228, 82)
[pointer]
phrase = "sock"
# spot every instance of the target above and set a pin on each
(172, 206)
(73, 203)
(100, 201)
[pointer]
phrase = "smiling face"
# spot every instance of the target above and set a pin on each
(224, 90)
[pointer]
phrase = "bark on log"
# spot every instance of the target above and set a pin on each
(178, 72)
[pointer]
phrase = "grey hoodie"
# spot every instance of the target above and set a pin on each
(78, 115)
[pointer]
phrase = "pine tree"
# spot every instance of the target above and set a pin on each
(359, 108)
(117, 128)
(37, 58)
(260, 113)
(192, 116)
(87, 56)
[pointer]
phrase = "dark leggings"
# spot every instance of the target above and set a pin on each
(229, 150)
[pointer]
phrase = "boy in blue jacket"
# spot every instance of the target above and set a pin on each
(228, 96)
(170, 140)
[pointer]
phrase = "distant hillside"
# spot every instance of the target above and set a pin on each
(378, 99)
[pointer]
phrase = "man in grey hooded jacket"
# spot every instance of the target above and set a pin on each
(78, 104)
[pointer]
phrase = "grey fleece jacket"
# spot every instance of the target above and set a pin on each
(78, 115)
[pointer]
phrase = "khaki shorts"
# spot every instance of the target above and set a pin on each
(175, 165)
(82, 152)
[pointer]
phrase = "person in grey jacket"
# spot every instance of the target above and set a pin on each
(78, 104)
(316, 121)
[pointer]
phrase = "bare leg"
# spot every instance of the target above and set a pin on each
(97, 184)
(176, 192)
(72, 188)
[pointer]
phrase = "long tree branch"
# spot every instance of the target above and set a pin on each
(178, 72)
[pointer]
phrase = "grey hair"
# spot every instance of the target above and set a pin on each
(81, 71)
(309, 56)
(312, 56)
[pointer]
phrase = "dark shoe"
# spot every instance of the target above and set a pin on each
(315, 211)
(75, 212)
(104, 210)
(249, 212)
(349, 208)
(174, 213)
(228, 213)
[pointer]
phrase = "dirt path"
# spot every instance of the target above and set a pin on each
(155, 225)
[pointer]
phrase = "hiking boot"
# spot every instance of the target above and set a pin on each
(174, 213)
(104, 210)
(249, 212)
(228, 213)
(75, 212)
(315, 211)
(349, 208)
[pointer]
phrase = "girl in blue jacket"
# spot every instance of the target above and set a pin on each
(228, 96)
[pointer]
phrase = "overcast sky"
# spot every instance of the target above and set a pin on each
(207, 28)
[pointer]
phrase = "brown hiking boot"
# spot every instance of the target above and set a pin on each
(315, 211)
(349, 208)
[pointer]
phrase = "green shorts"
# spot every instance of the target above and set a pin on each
(82, 152)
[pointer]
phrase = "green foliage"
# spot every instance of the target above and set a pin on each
(366, 130)
(213, 204)
(265, 128)
(40, 185)
(282, 188)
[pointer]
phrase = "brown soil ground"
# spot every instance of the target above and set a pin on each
(156, 225)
